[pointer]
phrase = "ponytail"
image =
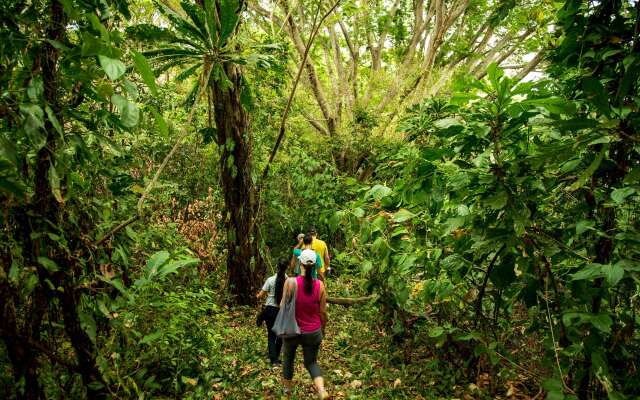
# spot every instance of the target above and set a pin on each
(282, 268)
(308, 278)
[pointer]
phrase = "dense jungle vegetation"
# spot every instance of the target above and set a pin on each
(474, 166)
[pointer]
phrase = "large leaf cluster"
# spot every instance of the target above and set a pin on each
(511, 196)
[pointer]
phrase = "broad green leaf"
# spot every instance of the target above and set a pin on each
(583, 226)
(497, 201)
(103, 308)
(174, 266)
(228, 19)
(54, 120)
(589, 271)
(210, 16)
(588, 172)
(14, 272)
(399, 231)
(97, 25)
(88, 324)
(453, 223)
(160, 122)
(436, 332)
(629, 265)
(8, 150)
(596, 93)
(554, 389)
(144, 69)
(35, 89)
(9, 185)
(157, 260)
(446, 123)
(366, 266)
(33, 124)
(129, 112)
(613, 273)
(619, 195)
(112, 67)
(403, 215)
(95, 385)
(379, 191)
(380, 247)
(48, 264)
(54, 181)
(633, 176)
(575, 124)
(554, 105)
(494, 73)
(151, 337)
(602, 322)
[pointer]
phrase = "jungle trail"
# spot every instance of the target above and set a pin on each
(472, 165)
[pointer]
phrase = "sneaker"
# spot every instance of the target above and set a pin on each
(324, 395)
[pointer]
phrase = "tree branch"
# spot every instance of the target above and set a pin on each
(295, 85)
(530, 67)
(349, 301)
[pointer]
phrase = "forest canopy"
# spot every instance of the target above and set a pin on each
(473, 166)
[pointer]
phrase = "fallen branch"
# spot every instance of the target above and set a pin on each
(349, 301)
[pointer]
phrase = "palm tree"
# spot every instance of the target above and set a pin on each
(203, 43)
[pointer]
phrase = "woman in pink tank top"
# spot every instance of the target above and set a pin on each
(311, 316)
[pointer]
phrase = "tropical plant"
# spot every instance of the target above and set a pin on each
(204, 42)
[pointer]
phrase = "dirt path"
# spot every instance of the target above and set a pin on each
(355, 359)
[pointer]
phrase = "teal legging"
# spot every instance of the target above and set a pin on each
(310, 343)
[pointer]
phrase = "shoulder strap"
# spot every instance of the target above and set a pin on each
(291, 293)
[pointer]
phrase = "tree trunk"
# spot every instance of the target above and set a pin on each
(244, 263)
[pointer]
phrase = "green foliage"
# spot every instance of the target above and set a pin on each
(479, 218)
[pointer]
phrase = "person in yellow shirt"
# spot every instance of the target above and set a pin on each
(320, 247)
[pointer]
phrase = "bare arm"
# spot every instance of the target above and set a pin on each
(286, 291)
(261, 295)
(323, 306)
(327, 259)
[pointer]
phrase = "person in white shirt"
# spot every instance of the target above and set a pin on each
(272, 290)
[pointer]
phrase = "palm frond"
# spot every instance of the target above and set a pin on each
(191, 97)
(171, 51)
(188, 72)
(182, 24)
(162, 66)
(151, 33)
(196, 14)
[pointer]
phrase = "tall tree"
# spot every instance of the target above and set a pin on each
(57, 51)
(204, 43)
(375, 58)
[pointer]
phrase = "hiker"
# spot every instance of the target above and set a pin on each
(272, 290)
(320, 247)
(311, 317)
(305, 244)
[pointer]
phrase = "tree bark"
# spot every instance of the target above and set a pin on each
(312, 75)
(244, 263)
